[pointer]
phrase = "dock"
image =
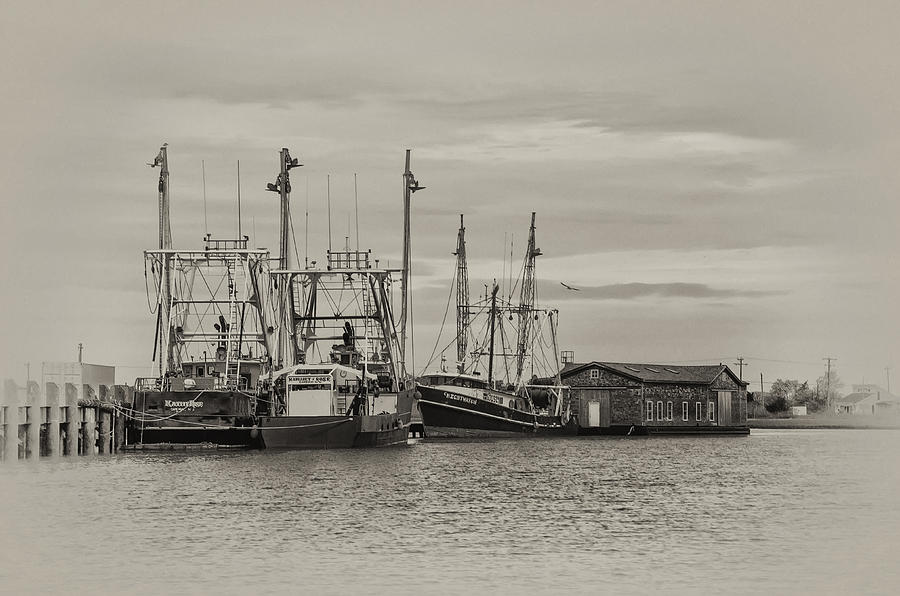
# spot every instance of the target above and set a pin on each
(76, 409)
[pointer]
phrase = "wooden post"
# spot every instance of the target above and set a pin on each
(73, 426)
(89, 430)
(51, 392)
(104, 428)
(33, 416)
(10, 400)
(119, 434)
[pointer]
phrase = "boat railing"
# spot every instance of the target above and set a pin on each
(225, 243)
(235, 382)
(349, 259)
(148, 384)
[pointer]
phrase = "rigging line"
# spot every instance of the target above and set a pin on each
(482, 345)
(212, 296)
(474, 338)
(441, 330)
(504, 346)
(147, 289)
(520, 278)
(293, 231)
(539, 339)
(190, 295)
(781, 361)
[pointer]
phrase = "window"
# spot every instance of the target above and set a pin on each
(650, 411)
(595, 373)
(659, 410)
(201, 371)
(698, 411)
(711, 410)
(668, 410)
(684, 411)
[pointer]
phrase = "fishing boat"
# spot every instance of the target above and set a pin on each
(511, 391)
(249, 354)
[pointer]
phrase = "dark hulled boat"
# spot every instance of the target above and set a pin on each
(459, 405)
(255, 355)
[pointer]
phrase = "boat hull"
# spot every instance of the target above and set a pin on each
(331, 432)
(191, 417)
(222, 419)
(447, 414)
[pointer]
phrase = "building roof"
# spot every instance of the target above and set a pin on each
(659, 373)
(855, 398)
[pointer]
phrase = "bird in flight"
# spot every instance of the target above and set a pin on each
(568, 287)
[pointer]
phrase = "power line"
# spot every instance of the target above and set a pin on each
(828, 382)
(740, 364)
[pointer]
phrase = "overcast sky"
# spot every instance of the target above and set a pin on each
(719, 178)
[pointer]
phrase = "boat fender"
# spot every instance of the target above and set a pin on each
(254, 432)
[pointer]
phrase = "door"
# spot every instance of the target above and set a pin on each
(604, 409)
(724, 408)
(593, 413)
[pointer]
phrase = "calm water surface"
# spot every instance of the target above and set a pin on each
(777, 512)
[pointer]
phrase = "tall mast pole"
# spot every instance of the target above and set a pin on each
(410, 185)
(282, 186)
(493, 322)
(526, 303)
(462, 297)
(165, 242)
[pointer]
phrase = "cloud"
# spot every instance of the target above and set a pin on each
(636, 290)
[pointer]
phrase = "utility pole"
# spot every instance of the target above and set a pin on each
(887, 372)
(828, 384)
(762, 392)
(740, 364)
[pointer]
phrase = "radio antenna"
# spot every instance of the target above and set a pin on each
(328, 195)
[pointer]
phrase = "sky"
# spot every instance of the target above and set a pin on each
(718, 179)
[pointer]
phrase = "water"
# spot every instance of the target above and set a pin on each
(777, 512)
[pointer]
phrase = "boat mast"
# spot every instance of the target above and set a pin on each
(164, 338)
(410, 185)
(526, 303)
(462, 297)
(282, 186)
(491, 348)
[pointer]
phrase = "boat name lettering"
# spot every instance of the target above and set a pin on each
(492, 398)
(183, 405)
(310, 379)
(462, 398)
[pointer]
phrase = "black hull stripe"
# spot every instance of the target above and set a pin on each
(476, 412)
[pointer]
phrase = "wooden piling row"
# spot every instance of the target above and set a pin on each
(57, 422)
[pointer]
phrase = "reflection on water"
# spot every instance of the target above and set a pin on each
(777, 512)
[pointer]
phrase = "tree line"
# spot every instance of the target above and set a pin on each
(785, 393)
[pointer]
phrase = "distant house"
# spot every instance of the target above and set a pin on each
(612, 397)
(869, 400)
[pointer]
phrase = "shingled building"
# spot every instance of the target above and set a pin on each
(616, 398)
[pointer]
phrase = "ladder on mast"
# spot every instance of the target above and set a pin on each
(232, 341)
